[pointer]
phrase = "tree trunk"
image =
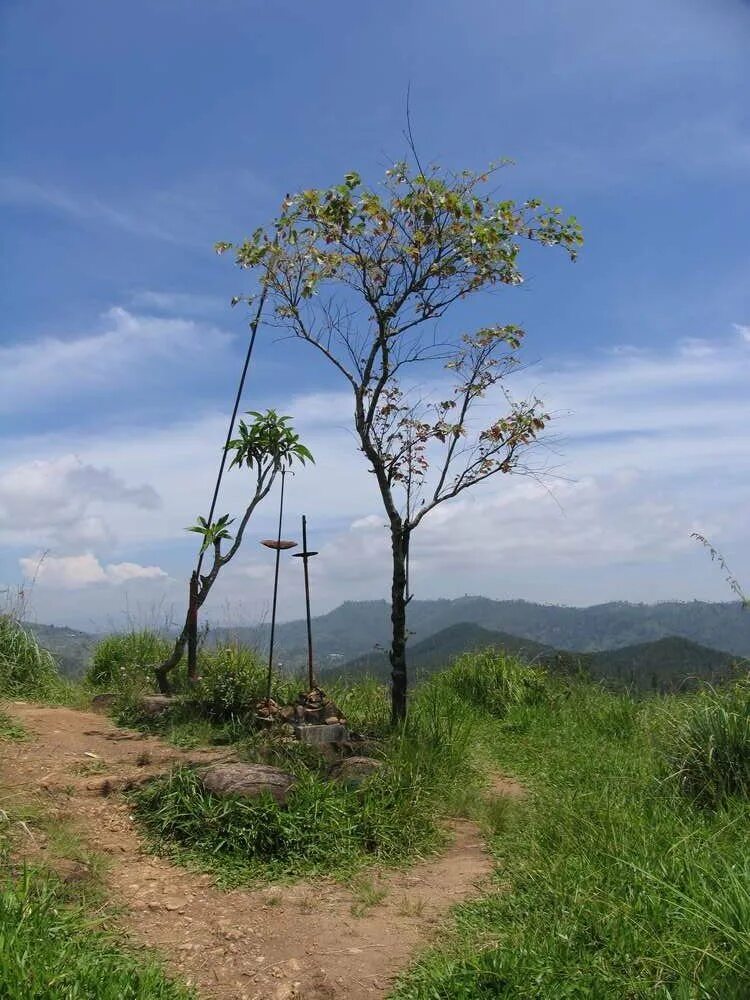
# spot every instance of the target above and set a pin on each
(163, 670)
(400, 549)
(192, 629)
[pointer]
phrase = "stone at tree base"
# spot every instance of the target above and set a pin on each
(155, 704)
(320, 734)
(354, 769)
(102, 702)
(247, 780)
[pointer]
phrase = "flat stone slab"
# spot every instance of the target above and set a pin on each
(320, 734)
(316, 735)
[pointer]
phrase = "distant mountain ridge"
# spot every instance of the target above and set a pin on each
(356, 628)
(663, 665)
(437, 650)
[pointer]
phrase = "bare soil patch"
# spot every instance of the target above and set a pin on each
(275, 943)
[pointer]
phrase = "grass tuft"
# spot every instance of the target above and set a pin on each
(26, 670)
(708, 746)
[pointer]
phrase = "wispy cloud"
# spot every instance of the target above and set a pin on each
(33, 372)
(193, 211)
(179, 303)
(25, 193)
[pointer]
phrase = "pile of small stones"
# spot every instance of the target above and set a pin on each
(312, 707)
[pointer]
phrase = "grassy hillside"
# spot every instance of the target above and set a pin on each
(624, 872)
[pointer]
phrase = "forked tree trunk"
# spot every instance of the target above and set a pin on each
(400, 550)
(164, 669)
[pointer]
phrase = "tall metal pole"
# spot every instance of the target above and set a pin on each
(305, 555)
(275, 590)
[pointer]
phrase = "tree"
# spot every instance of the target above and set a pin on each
(364, 276)
(266, 445)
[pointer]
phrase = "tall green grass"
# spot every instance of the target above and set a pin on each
(26, 670)
(708, 745)
(612, 884)
(52, 948)
(124, 661)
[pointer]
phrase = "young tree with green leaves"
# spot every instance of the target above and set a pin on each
(266, 445)
(364, 276)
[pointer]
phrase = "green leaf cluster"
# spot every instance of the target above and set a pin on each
(268, 438)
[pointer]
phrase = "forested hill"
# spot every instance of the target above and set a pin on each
(356, 628)
(663, 665)
(71, 648)
(439, 649)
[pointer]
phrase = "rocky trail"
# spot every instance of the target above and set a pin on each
(275, 943)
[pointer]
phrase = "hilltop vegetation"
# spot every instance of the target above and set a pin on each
(71, 648)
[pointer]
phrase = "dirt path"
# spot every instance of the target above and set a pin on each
(269, 944)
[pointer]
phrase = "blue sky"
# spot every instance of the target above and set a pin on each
(136, 135)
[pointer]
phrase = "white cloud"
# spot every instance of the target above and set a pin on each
(37, 372)
(63, 501)
(126, 571)
(76, 571)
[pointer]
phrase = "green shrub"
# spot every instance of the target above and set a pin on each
(366, 704)
(708, 746)
(26, 670)
(233, 680)
(494, 682)
(124, 661)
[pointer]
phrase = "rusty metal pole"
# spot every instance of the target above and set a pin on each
(192, 637)
(278, 547)
(305, 555)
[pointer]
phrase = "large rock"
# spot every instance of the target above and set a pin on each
(155, 704)
(354, 770)
(247, 780)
